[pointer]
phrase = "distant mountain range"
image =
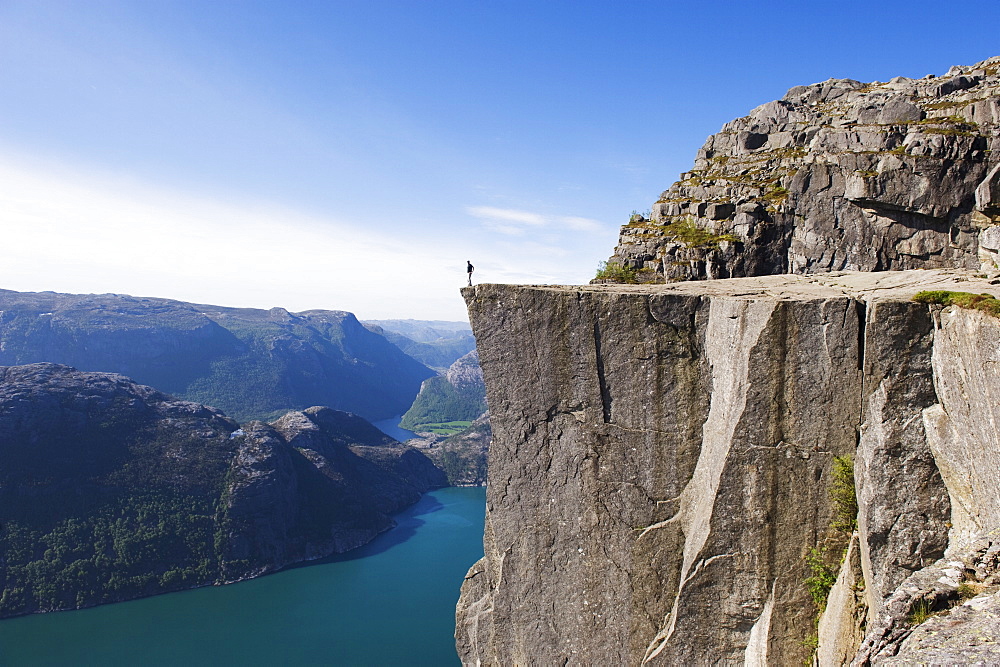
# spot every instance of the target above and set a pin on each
(110, 490)
(248, 362)
(432, 342)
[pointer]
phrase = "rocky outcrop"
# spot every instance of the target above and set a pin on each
(250, 363)
(662, 461)
(462, 455)
(838, 175)
(111, 490)
(313, 483)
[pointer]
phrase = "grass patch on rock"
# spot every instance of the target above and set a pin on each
(987, 303)
(690, 234)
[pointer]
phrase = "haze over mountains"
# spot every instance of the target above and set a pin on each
(432, 342)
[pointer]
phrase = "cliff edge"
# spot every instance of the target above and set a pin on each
(663, 458)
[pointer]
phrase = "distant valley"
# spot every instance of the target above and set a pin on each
(119, 481)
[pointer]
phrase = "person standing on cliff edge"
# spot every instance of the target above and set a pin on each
(469, 269)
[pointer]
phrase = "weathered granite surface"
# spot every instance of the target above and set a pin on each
(662, 457)
(838, 175)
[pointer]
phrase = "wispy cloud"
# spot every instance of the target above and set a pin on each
(581, 224)
(515, 222)
(507, 214)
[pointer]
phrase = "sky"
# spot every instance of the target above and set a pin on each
(352, 155)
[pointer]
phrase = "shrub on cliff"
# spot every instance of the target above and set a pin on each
(615, 272)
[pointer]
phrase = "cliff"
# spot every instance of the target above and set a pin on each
(250, 363)
(111, 490)
(663, 459)
(838, 175)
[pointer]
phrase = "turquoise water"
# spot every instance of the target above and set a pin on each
(392, 429)
(391, 602)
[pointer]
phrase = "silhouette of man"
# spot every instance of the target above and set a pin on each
(470, 269)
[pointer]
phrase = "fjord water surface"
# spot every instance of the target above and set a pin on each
(389, 602)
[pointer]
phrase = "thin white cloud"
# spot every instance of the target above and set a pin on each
(71, 231)
(581, 224)
(500, 228)
(507, 215)
(70, 228)
(512, 222)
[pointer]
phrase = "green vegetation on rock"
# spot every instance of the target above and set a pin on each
(844, 496)
(690, 234)
(984, 302)
(441, 402)
(616, 272)
(824, 562)
(446, 428)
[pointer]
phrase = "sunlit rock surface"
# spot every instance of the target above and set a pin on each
(662, 457)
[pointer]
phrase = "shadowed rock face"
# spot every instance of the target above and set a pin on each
(111, 490)
(839, 175)
(661, 462)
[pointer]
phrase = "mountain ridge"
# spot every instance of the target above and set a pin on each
(249, 362)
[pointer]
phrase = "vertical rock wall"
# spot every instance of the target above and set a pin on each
(659, 467)
(662, 458)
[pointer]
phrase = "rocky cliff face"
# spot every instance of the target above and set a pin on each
(111, 490)
(839, 175)
(250, 363)
(662, 464)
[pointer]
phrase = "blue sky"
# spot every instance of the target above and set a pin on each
(352, 155)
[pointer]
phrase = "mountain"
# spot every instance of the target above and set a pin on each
(247, 362)
(794, 466)
(435, 343)
(839, 175)
(111, 490)
(459, 395)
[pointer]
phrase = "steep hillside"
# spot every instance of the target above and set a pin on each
(111, 490)
(250, 363)
(458, 395)
(838, 175)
